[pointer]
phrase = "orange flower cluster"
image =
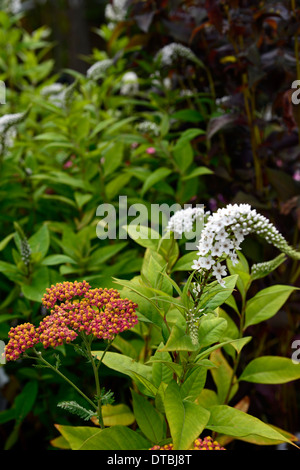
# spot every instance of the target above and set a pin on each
(199, 444)
(75, 308)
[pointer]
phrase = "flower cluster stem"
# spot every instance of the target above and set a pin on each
(40, 358)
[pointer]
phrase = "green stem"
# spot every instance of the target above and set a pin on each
(96, 375)
(238, 356)
(42, 359)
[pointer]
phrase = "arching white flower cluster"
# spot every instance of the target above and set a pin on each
(224, 232)
(173, 51)
(182, 221)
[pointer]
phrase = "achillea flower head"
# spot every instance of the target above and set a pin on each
(199, 444)
(75, 309)
(64, 291)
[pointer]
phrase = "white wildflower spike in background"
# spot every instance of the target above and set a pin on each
(148, 127)
(224, 232)
(116, 11)
(8, 130)
(53, 89)
(98, 69)
(59, 94)
(11, 6)
(172, 52)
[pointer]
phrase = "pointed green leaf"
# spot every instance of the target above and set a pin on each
(185, 418)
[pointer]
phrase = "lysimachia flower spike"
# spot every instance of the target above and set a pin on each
(224, 232)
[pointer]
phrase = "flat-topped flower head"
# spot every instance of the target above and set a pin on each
(75, 309)
(64, 291)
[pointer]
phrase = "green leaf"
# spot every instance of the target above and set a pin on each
(144, 236)
(183, 155)
(116, 184)
(113, 157)
(160, 370)
(233, 422)
(116, 438)
(199, 171)
(5, 241)
(222, 375)
(150, 422)
(188, 135)
(53, 260)
(139, 293)
(25, 400)
(271, 370)
(37, 285)
(261, 270)
(11, 271)
(242, 270)
(194, 383)
(52, 136)
(266, 303)
(215, 295)
(103, 254)
(157, 175)
(39, 242)
(78, 436)
(124, 364)
(185, 262)
(169, 249)
(189, 115)
(179, 341)
(120, 414)
(236, 343)
(211, 330)
(185, 418)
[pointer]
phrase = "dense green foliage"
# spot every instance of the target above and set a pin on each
(214, 126)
